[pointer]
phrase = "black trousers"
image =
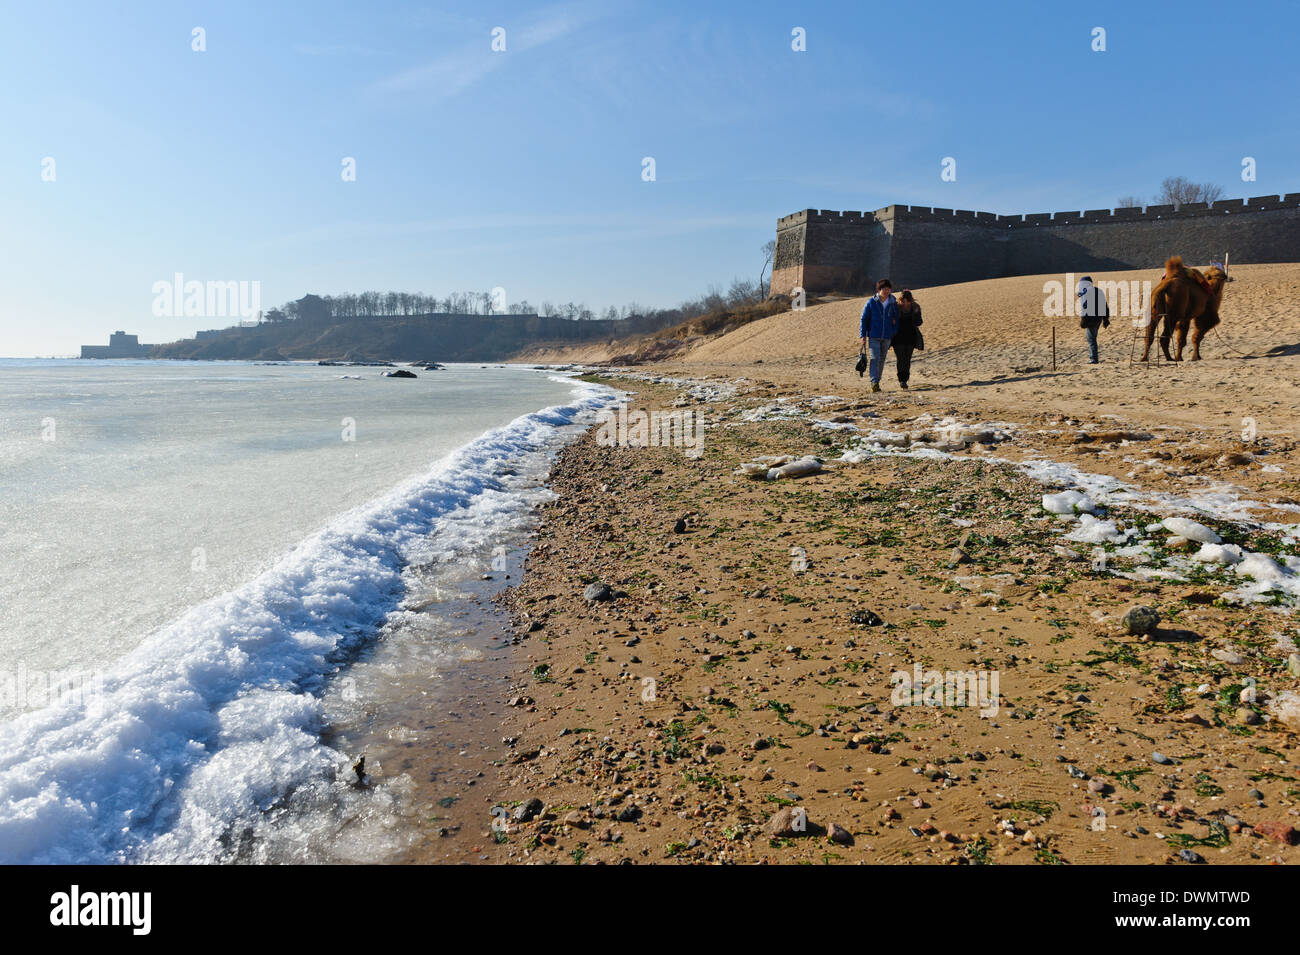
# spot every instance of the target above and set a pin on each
(903, 348)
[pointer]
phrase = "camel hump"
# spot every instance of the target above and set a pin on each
(1175, 269)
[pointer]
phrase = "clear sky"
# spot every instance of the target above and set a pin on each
(523, 168)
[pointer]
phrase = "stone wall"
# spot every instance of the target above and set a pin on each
(787, 263)
(822, 250)
(919, 246)
(943, 246)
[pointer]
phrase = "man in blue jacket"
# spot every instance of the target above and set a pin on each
(877, 328)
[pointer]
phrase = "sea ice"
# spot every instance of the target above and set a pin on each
(1069, 502)
(1191, 530)
(1091, 530)
(1218, 554)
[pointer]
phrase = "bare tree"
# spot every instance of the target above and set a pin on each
(1129, 202)
(1179, 190)
(711, 301)
(742, 292)
(769, 252)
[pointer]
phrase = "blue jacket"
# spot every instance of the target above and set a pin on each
(879, 319)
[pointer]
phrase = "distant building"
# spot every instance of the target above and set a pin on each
(120, 345)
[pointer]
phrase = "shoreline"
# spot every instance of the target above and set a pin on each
(261, 679)
(772, 695)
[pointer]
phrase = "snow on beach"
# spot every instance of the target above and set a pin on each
(1080, 503)
(1259, 576)
(1082, 499)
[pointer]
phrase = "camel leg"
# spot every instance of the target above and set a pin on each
(1182, 340)
(1198, 332)
(1151, 337)
(1166, 333)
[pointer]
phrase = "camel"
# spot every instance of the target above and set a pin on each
(1183, 299)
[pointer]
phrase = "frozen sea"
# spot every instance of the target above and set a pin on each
(193, 558)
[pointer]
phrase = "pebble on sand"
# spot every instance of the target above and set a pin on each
(527, 810)
(1280, 831)
(1140, 620)
(597, 592)
(788, 821)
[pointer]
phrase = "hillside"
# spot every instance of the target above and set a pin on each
(436, 337)
(665, 344)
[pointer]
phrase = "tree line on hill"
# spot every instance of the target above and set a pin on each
(463, 326)
(317, 309)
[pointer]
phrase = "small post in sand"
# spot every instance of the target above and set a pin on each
(1053, 348)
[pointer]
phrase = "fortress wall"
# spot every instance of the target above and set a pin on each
(788, 262)
(942, 246)
(880, 244)
(920, 246)
(835, 250)
(1252, 234)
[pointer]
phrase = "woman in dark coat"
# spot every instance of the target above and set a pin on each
(909, 321)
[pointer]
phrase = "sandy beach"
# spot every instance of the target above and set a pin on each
(733, 696)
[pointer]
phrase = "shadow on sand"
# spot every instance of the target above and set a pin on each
(1006, 379)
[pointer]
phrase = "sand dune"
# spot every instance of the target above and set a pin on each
(1003, 320)
(989, 354)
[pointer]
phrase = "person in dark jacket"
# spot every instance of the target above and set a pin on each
(1094, 313)
(909, 323)
(877, 327)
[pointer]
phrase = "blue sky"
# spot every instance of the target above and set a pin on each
(522, 169)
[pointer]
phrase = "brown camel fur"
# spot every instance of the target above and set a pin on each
(1184, 299)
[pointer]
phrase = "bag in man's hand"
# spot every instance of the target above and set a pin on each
(920, 341)
(861, 366)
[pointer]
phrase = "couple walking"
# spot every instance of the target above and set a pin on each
(885, 323)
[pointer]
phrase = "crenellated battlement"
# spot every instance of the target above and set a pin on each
(1137, 214)
(821, 249)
